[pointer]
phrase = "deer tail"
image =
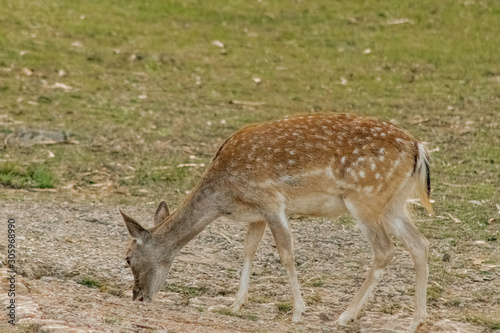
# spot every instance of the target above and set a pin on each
(423, 176)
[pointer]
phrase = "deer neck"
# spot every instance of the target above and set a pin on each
(195, 214)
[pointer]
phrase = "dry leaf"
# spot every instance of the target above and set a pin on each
(27, 72)
(399, 21)
(478, 261)
(62, 86)
(235, 101)
(191, 165)
(453, 218)
(69, 185)
(218, 43)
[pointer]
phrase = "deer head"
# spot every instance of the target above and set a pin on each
(146, 257)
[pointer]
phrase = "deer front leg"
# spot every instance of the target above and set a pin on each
(253, 237)
(282, 236)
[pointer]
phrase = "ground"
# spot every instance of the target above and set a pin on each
(71, 258)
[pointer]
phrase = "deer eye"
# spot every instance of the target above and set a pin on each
(127, 260)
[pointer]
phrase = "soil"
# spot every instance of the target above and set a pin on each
(61, 245)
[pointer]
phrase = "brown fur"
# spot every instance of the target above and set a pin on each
(316, 165)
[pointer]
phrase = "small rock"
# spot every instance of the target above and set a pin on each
(477, 279)
(30, 137)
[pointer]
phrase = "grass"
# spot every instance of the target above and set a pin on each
(90, 282)
(151, 91)
(33, 176)
(484, 320)
(227, 312)
(284, 307)
(103, 287)
(186, 291)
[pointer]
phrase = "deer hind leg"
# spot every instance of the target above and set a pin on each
(418, 246)
(253, 237)
(280, 228)
(383, 251)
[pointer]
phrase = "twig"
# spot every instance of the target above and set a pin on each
(453, 218)
(220, 233)
(249, 103)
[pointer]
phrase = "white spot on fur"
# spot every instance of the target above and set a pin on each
(362, 174)
(381, 158)
(329, 172)
(369, 189)
(378, 176)
(291, 152)
(373, 166)
(342, 160)
(291, 162)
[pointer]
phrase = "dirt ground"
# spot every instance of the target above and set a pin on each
(61, 244)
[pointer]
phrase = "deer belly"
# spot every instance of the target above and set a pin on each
(316, 205)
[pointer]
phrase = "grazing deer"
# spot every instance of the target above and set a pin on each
(315, 165)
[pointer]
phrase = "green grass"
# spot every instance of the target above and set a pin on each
(135, 104)
(284, 307)
(90, 282)
(186, 291)
(227, 312)
(33, 176)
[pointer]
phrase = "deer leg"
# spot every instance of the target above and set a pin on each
(254, 235)
(383, 251)
(418, 246)
(280, 229)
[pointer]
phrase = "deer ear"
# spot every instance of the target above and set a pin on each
(162, 212)
(135, 229)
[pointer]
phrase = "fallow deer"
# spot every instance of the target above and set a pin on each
(313, 165)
